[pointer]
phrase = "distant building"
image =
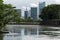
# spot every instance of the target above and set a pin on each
(41, 6)
(34, 13)
(19, 11)
(26, 14)
(29, 13)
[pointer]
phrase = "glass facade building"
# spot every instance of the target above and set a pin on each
(25, 14)
(34, 13)
(41, 6)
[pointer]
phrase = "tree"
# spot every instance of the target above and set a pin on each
(7, 13)
(29, 19)
(50, 12)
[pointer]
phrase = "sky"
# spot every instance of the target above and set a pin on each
(28, 3)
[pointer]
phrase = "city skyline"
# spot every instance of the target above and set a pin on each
(34, 11)
(28, 4)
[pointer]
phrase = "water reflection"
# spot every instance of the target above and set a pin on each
(11, 36)
(44, 33)
(51, 31)
(1, 37)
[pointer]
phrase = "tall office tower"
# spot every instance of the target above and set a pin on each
(34, 13)
(19, 11)
(41, 6)
(26, 14)
(29, 13)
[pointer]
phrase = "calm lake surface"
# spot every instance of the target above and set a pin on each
(45, 33)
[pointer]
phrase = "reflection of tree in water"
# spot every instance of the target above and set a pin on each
(50, 31)
(1, 37)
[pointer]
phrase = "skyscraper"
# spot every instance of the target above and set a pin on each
(41, 6)
(34, 13)
(26, 14)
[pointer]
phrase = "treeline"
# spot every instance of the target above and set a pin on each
(50, 15)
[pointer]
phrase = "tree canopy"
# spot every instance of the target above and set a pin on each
(50, 12)
(7, 13)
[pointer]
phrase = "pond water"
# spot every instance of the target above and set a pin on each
(30, 33)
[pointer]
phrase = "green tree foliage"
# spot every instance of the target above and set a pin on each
(29, 19)
(7, 13)
(1, 2)
(50, 12)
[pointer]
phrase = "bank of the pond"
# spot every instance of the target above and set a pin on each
(54, 23)
(3, 32)
(24, 23)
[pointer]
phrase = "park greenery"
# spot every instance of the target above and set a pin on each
(50, 15)
(8, 13)
(50, 12)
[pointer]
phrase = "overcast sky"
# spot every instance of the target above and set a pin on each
(21, 3)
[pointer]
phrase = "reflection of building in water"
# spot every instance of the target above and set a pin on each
(27, 32)
(24, 29)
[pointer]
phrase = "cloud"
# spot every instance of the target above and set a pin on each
(25, 8)
(52, 2)
(33, 5)
(57, 1)
(21, 3)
